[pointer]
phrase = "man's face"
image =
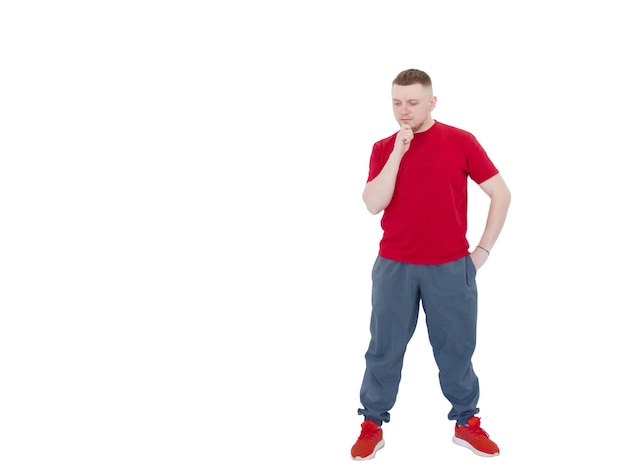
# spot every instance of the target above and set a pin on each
(412, 105)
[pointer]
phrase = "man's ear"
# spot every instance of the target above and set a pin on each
(433, 103)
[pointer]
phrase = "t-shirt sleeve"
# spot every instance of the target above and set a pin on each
(480, 167)
(377, 162)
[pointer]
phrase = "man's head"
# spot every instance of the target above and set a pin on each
(413, 99)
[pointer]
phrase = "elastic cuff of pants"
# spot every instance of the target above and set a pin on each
(378, 421)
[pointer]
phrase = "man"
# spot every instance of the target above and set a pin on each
(418, 177)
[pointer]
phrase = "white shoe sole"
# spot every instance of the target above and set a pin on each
(379, 446)
(466, 444)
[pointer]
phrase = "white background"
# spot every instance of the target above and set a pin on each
(185, 257)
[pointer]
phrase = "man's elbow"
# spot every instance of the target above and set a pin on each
(498, 191)
(373, 209)
(372, 204)
(505, 196)
(375, 199)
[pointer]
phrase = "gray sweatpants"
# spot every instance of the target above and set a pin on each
(449, 299)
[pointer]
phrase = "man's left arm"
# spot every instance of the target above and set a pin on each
(500, 197)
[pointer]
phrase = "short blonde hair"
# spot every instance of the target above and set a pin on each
(412, 76)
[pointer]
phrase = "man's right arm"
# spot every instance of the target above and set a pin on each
(379, 191)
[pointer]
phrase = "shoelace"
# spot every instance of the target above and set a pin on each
(477, 430)
(368, 433)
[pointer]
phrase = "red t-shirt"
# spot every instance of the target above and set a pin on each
(426, 220)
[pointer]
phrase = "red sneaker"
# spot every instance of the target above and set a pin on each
(370, 441)
(475, 438)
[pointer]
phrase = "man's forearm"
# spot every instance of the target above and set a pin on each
(498, 209)
(378, 192)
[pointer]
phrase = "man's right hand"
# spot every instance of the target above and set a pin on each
(403, 139)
